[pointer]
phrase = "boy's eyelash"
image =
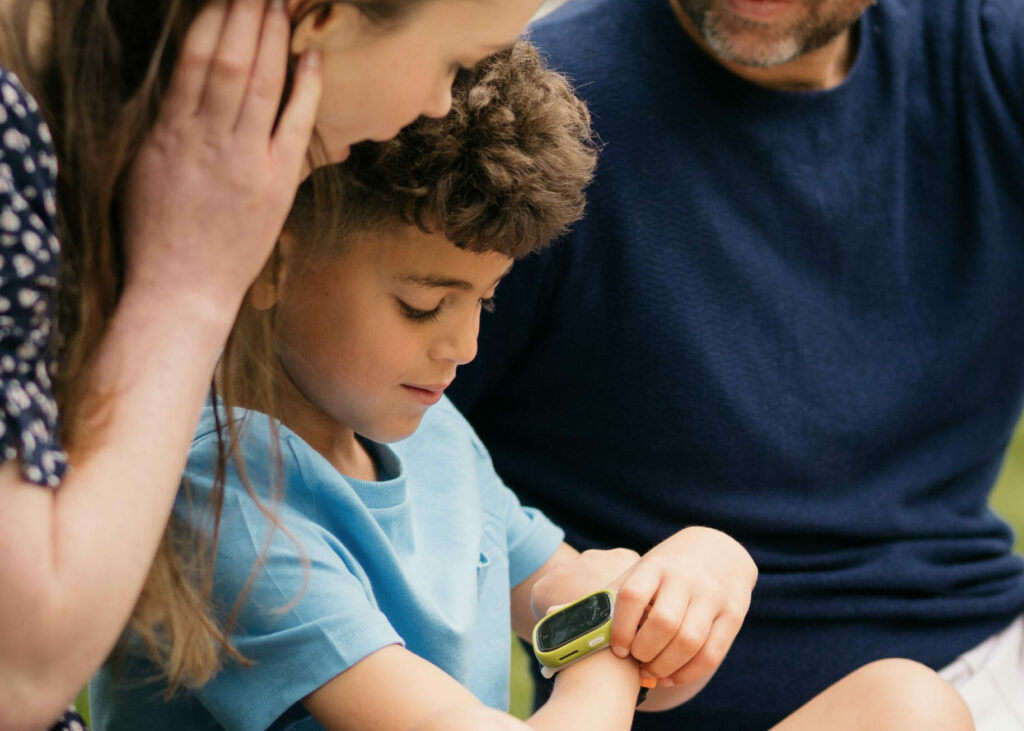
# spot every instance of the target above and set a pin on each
(419, 315)
(487, 304)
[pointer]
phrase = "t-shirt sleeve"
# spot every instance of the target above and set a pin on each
(531, 537)
(307, 617)
(29, 266)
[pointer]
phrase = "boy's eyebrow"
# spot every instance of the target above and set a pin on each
(434, 280)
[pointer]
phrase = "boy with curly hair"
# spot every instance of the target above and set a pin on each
(393, 561)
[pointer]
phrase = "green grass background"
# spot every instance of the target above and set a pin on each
(1008, 500)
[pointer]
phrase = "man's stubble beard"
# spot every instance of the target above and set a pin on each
(772, 47)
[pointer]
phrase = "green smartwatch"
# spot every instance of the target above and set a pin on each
(573, 632)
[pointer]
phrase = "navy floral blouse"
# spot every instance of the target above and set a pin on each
(29, 267)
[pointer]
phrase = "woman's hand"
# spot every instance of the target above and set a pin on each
(678, 608)
(211, 186)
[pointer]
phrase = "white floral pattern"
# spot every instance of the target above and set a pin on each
(29, 262)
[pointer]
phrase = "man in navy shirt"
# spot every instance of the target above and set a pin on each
(793, 312)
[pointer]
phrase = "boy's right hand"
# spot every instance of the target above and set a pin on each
(211, 186)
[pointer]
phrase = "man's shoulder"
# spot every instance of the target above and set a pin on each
(582, 24)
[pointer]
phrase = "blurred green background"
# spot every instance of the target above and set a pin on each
(1008, 500)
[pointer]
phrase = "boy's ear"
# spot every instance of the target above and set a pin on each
(265, 291)
(330, 24)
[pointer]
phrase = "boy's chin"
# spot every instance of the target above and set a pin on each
(395, 431)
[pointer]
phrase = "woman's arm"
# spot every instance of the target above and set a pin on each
(206, 198)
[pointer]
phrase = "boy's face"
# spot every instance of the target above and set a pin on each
(371, 338)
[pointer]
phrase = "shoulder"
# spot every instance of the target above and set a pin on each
(583, 31)
(259, 443)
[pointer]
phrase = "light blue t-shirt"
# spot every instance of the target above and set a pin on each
(426, 558)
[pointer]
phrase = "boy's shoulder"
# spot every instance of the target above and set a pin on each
(262, 442)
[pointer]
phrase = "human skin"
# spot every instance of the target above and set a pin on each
(205, 200)
(368, 340)
(782, 44)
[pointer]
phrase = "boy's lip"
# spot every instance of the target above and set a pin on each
(426, 393)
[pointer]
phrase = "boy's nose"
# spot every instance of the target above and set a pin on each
(459, 346)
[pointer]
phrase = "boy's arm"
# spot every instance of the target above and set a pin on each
(394, 689)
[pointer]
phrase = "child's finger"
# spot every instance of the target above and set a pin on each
(231, 66)
(185, 90)
(663, 622)
(720, 638)
(687, 643)
(294, 131)
(631, 600)
(263, 98)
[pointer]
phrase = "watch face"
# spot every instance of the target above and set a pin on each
(575, 621)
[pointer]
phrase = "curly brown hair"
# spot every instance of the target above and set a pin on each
(505, 171)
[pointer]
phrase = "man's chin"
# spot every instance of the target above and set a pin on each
(748, 47)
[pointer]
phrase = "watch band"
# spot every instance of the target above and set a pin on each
(645, 686)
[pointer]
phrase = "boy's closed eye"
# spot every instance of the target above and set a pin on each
(419, 315)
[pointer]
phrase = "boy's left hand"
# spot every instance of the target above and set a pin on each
(678, 608)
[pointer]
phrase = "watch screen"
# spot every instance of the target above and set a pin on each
(575, 621)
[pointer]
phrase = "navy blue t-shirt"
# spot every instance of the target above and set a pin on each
(794, 316)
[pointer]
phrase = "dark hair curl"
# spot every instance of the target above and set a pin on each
(504, 171)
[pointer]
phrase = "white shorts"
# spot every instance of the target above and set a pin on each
(990, 677)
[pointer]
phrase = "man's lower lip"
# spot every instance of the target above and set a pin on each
(424, 396)
(759, 10)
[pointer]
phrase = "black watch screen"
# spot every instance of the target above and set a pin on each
(574, 621)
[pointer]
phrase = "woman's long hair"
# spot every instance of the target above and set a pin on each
(99, 70)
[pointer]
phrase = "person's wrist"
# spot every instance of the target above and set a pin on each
(181, 305)
(603, 670)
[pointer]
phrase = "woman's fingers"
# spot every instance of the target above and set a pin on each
(266, 85)
(294, 130)
(188, 80)
(231, 67)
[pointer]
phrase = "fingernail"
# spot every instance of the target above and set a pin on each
(620, 651)
(666, 682)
